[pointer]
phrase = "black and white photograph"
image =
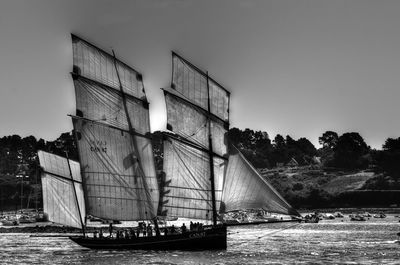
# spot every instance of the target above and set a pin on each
(199, 132)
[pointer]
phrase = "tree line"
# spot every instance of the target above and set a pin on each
(348, 151)
(18, 156)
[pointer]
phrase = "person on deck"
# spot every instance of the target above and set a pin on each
(144, 230)
(101, 233)
(149, 230)
(183, 228)
(191, 226)
(110, 229)
(173, 230)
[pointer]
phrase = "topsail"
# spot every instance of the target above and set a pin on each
(111, 123)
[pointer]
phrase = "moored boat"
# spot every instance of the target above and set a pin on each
(357, 217)
(338, 215)
(9, 222)
(380, 215)
(26, 219)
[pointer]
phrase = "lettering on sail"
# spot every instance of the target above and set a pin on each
(98, 146)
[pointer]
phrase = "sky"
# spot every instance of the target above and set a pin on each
(298, 67)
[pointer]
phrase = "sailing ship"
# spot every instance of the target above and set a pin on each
(203, 177)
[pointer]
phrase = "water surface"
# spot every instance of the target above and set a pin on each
(328, 242)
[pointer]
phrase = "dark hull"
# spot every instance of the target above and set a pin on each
(212, 238)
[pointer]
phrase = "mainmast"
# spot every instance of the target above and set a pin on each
(210, 153)
(195, 157)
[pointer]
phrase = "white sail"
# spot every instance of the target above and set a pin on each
(192, 123)
(197, 111)
(59, 200)
(191, 83)
(188, 192)
(117, 187)
(95, 64)
(111, 124)
(101, 103)
(245, 188)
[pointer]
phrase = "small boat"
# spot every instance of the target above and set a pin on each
(380, 215)
(26, 219)
(311, 218)
(9, 222)
(338, 215)
(41, 217)
(357, 217)
(328, 216)
(367, 214)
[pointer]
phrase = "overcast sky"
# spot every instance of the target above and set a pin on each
(297, 67)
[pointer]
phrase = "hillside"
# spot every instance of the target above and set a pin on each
(308, 187)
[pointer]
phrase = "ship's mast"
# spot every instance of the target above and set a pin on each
(131, 129)
(76, 196)
(210, 153)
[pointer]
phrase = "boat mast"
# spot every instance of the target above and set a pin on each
(132, 131)
(76, 197)
(210, 153)
(123, 95)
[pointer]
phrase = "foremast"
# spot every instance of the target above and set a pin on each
(111, 124)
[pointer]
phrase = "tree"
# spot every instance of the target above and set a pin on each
(329, 139)
(388, 159)
(349, 151)
(392, 145)
(235, 137)
(279, 142)
(306, 147)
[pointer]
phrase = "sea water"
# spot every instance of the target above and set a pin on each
(338, 241)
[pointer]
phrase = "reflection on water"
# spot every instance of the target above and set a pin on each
(333, 241)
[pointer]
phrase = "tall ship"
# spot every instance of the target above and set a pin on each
(203, 176)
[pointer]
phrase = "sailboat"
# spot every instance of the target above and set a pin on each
(115, 179)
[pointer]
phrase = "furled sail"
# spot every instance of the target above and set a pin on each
(59, 200)
(245, 188)
(197, 109)
(111, 125)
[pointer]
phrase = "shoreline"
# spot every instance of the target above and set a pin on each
(351, 210)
